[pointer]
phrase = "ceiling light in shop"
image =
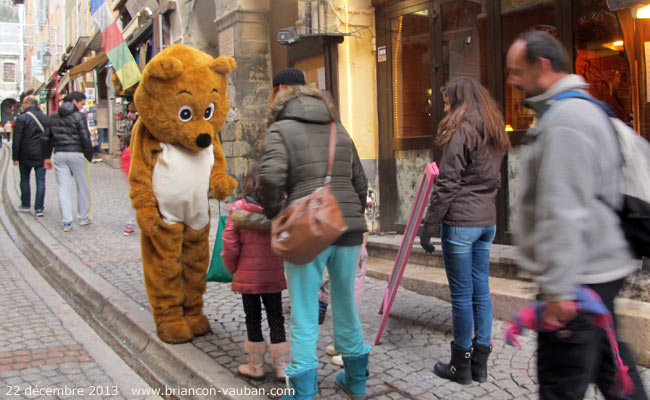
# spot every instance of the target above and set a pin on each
(643, 12)
(616, 45)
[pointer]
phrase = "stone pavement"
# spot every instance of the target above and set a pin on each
(46, 350)
(417, 334)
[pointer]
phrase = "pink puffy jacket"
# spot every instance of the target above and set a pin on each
(247, 251)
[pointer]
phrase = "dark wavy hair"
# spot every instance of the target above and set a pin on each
(471, 103)
(251, 185)
(75, 95)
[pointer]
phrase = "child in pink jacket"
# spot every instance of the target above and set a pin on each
(258, 275)
(125, 161)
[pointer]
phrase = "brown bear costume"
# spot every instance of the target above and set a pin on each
(176, 158)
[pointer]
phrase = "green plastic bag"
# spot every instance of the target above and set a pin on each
(217, 271)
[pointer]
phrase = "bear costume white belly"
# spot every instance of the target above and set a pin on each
(180, 182)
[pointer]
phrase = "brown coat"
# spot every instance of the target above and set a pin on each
(470, 176)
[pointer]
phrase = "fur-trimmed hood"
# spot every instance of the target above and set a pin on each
(302, 103)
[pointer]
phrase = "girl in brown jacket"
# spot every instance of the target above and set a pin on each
(473, 141)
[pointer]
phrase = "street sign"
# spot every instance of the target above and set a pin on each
(421, 201)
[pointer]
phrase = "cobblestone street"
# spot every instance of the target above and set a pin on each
(46, 350)
(416, 336)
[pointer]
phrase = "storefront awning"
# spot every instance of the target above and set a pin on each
(63, 83)
(78, 50)
(88, 65)
(615, 5)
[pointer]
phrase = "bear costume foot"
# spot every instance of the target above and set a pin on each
(199, 324)
(174, 332)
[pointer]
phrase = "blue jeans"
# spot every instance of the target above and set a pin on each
(466, 253)
(303, 282)
(25, 190)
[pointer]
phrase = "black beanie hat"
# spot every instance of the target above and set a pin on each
(289, 76)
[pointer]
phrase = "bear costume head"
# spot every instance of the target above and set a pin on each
(184, 93)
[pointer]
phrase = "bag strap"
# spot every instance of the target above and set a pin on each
(332, 150)
(232, 200)
(36, 120)
(574, 94)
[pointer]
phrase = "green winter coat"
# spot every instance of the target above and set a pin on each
(296, 151)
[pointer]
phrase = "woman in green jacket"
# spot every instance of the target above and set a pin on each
(294, 165)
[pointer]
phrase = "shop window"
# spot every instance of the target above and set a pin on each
(411, 75)
(517, 18)
(9, 72)
(464, 40)
(600, 55)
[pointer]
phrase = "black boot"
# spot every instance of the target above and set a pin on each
(458, 370)
(480, 355)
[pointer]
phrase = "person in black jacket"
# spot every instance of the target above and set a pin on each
(29, 129)
(69, 137)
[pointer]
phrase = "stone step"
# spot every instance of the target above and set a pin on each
(509, 295)
(502, 257)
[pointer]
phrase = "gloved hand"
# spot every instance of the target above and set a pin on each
(425, 241)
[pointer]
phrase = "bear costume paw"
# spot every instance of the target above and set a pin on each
(199, 324)
(224, 187)
(148, 219)
(174, 331)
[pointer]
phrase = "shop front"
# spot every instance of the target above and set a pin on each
(422, 44)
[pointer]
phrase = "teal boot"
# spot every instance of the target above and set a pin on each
(353, 380)
(302, 386)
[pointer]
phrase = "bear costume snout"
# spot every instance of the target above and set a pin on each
(203, 140)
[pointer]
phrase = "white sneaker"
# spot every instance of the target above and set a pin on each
(22, 209)
(85, 221)
(337, 360)
(331, 351)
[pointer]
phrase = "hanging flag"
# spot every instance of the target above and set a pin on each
(114, 45)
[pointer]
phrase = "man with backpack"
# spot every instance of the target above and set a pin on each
(27, 153)
(567, 228)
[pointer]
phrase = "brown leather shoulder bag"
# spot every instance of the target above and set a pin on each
(309, 225)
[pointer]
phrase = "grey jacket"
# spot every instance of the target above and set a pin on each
(565, 226)
(296, 152)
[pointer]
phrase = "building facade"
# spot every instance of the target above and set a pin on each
(383, 61)
(11, 62)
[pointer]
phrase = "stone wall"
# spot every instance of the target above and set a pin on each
(244, 34)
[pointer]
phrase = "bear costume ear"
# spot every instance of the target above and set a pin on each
(165, 68)
(223, 64)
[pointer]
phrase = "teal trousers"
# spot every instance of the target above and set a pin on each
(303, 282)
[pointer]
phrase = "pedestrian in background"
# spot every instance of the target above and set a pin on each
(27, 153)
(125, 162)
(295, 164)
(258, 274)
(69, 137)
(566, 227)
(474, 141)
(9, 128)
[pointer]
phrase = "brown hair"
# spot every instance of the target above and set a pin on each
(471, 103)
(251, 185)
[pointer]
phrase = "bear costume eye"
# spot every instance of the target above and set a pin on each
(185, 113)
(209, 112)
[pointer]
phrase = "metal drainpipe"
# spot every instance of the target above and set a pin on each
(112, 145)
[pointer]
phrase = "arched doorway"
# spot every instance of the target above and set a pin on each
(7, 110)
